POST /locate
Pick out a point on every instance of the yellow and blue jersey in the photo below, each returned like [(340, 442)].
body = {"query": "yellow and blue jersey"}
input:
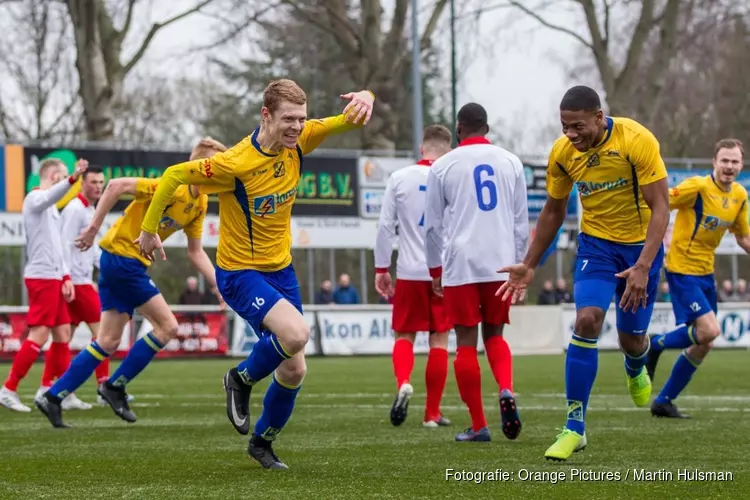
[(608, 177), (256, 191), (705, 212), (184, 212)]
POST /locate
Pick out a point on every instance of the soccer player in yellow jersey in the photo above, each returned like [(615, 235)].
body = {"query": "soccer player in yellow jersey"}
[(257, 184), (706, 208), (620, 175), (124, 286)]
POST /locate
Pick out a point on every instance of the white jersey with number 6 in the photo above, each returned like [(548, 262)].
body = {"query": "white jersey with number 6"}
[(477, 218), (403, 206)]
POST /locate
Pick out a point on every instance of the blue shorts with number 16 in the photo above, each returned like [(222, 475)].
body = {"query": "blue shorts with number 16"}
[(597, 262), (251, 294)]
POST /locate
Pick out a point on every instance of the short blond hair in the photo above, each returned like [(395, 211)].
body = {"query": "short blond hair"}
[(437, 134), (207, 147), (729, 143), (282, 90), (47, 165)]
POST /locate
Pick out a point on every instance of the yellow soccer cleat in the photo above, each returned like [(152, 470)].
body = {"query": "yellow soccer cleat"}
[(640, 388), (568, 442)]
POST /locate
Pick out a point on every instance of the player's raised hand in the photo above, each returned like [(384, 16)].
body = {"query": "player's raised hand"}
[(148, 243), (519, 277), (68, 291), (636, 283), (359, 109), (384, 285), (80, 168), (86, 239), (437, 286)]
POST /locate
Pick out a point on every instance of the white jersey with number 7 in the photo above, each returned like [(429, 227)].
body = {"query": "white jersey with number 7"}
[(477, 218)]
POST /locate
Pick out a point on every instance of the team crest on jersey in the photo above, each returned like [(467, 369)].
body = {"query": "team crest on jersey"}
[(188, 208), (613, 152), (593, 160), (167, 222), (289, 155), (725, 203), (279, 170), (264, 205)]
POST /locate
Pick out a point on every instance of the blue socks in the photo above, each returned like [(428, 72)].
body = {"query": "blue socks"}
[(680, 338), (278, 405), (81, 368), (265, 357), (634, 364), (682, 372), (139, 356), (581, 364)]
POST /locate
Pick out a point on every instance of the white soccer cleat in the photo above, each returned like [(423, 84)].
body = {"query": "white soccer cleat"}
[(11, 401), (401, 404), (40, 392), (71, 402), (434, 424)]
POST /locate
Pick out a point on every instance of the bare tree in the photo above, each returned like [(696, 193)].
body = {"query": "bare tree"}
[(656, 24), (38, 99), (372, 57), (99, 44)]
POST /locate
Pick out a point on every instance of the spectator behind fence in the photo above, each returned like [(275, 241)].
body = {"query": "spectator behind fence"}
[(664, 295), (325, 294), (547, 296), (741, 291), (345, 293), (726, 294), (191, 296), (562, 295)]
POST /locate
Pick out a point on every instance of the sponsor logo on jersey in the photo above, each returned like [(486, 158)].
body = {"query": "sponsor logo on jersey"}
[(591, 187)]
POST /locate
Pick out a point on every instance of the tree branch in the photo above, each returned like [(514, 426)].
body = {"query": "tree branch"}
[(599, 46), (155, 29), (128, 18), (395, 35), (350, 44), (538, 18), (429, 30), (337, 12), (238, 27), (637, 43)]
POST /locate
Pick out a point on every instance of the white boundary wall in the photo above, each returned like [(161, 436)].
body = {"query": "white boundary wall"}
[(366, 329)]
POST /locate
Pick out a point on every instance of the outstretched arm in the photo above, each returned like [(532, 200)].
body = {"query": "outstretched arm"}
[(356, 114)]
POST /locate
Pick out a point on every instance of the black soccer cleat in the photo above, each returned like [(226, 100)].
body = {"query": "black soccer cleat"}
[(651, 361), (51, 407), (238, 401), (117, 399), (510, 418), (666, 410), (261, 451), (400, 408)]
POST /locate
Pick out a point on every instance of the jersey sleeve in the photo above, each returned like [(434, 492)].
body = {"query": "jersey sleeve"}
[(433, 224), (741, 226), (194, 230), (559, 183), (316, 131), (685, 193), (386, 228), (40, 200), (217, 171), (644, 155)]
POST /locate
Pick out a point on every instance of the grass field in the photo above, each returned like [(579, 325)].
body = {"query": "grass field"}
[(340, 444)]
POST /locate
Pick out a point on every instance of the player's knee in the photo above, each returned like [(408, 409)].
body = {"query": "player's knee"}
[(706, 334), (295, 336), (588, 324), (108, 343), (439, 340), (62, 334), (166, 331)]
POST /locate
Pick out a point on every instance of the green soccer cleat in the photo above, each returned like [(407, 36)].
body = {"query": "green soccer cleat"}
[(568, 442), (640, 388)]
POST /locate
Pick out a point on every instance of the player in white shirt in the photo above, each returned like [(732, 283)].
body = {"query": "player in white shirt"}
[(476, 222), (46, 277), (416, 308), (86, 307)]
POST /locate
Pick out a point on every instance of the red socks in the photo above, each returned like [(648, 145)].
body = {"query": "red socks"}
[(469, 380), (501, 361), (435, 377), (403, 361), (56, 361), (22, 364)]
